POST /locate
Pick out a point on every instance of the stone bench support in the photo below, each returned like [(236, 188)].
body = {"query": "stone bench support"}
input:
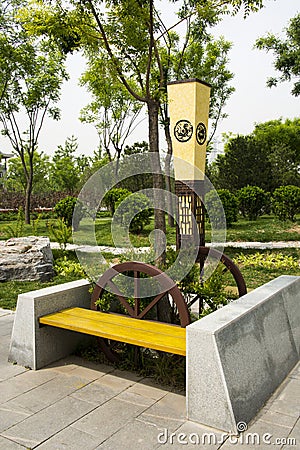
[(34, 346), (238, 355)]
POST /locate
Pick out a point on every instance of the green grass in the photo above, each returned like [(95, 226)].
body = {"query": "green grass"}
[(264, 229), (11, 289), (256, 276)]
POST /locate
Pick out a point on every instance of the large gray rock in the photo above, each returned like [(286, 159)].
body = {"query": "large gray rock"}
[(26, 259)]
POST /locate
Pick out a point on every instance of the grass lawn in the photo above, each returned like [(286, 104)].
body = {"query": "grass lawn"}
[(264, 229)]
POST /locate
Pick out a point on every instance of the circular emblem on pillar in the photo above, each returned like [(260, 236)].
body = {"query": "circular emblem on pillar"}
[(183, 130), (201, 133)]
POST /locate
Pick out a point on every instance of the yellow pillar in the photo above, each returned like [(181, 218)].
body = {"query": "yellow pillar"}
[(188, 110)]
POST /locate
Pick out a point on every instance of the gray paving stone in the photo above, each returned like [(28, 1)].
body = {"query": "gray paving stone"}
[(70, 439), (114, 382), (9, 418), (172, 405), (149, 389), (287, 402), (278, 418), (41, 426), (95, 393), (169, 412), (133, 436), (92, 373), (6, 444), (137, 399), (293, 438), (108, 419), (8, 370), (13, 387), (48, 393)]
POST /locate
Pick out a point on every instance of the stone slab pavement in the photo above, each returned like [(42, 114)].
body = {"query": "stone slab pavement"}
[(75, 404)]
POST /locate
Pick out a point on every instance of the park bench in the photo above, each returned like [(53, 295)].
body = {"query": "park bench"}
[(119, 327), (130, 328)]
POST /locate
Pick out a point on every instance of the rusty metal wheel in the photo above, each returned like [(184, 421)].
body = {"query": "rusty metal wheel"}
[(136, 305), (228, 266)]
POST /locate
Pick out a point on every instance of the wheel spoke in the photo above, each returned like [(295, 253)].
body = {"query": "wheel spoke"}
[(118, 293), (137, 293)]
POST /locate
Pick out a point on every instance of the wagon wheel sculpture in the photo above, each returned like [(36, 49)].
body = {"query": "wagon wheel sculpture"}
[(167, 287), (229, 266)]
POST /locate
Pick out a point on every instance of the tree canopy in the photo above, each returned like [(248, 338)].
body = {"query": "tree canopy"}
[(287, 54), (269, 157)]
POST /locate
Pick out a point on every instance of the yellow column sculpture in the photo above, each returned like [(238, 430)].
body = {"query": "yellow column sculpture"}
[(188, 110)]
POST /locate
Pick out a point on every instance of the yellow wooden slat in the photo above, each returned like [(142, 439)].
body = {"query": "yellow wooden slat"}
[(159, 336), (121, 319)]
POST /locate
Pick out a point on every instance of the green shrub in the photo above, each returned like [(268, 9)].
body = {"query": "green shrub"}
[(253, 201), (286, 202), (64, 209), (114, 196), (230, 206), (134, 210)]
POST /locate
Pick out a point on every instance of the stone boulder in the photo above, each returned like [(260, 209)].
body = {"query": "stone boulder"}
[(26, 259)]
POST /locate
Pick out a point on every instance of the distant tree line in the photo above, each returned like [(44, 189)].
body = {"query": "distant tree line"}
[(269, 157)]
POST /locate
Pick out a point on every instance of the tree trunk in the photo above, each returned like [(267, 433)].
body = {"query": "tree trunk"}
[(163, 306), (28, 199), (158, 184), (28, 191), (171, 221)]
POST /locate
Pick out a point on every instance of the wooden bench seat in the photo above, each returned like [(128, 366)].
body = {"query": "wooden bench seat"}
[(144, 333)]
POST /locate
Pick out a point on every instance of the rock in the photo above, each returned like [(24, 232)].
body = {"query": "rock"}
[(26, 259)]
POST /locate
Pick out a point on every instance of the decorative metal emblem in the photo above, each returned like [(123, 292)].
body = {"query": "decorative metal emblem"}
[(201, 133), (183, 130)]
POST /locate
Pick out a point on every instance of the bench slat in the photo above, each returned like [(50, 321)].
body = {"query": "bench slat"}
[(144, 333)]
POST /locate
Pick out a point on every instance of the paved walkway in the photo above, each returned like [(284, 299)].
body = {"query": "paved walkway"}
[(119, 250), (74, 404)]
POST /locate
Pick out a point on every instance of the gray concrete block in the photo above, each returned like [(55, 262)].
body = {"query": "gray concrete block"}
[(239, 355), (34, 346)]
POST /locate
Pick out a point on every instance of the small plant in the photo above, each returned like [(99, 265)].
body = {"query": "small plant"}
[(67, 267), (253, 201), (267, 261), (15, 231), (61, 232), (35, 224), (286, 202)]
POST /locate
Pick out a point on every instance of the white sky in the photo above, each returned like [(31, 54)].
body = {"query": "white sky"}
[(251, 103)]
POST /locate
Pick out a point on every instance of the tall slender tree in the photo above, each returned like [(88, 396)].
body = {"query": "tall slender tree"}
[(34, 72)]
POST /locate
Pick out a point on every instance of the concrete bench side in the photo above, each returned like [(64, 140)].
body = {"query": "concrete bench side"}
[(34, 346), (238, 355)]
